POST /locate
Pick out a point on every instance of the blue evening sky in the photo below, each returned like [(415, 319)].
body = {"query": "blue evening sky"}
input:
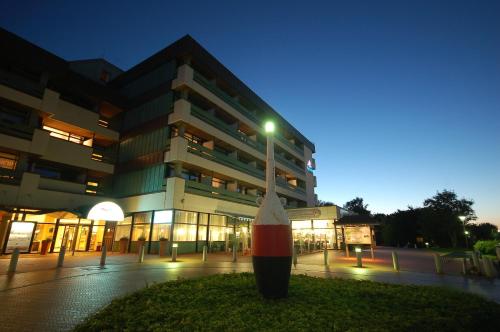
[(401, 98)]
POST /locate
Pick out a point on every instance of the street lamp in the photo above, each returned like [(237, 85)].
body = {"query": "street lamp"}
[(466, 233)]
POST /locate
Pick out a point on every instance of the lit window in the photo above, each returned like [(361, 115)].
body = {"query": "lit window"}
[(8, 161)]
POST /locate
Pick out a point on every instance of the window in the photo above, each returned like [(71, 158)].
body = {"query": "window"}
[(64, 135), (142, 225), (186, 217), (218, 183), (161, 225), (104, 76), (184, 232), (8, 161), (123, 228)]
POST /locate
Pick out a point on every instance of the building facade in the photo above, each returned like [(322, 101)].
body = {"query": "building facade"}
[(176, 141)]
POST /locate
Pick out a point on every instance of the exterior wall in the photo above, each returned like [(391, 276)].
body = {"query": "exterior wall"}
[(310, 179)]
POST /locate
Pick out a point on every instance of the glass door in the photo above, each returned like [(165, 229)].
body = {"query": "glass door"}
[(81, 240), (65, 234)]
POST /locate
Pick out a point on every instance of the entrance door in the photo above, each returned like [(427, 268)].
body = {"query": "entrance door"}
[(65, 235), (81, 240)]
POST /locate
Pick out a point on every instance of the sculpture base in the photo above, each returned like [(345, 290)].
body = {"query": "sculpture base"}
[(272, 275)]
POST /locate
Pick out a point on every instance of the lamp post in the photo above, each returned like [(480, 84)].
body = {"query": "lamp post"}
[(466, 233), (271, 235)]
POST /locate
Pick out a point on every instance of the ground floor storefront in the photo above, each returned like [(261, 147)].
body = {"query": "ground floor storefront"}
[(36, 231)]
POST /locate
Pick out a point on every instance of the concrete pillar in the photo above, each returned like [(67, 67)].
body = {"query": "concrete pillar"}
[(438, 263), (395, 261), (182, 129), (206, 179), (178, 169), (185, 94)]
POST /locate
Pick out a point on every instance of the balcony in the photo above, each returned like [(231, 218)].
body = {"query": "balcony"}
[(19, 130), (290, 144), (224, 96), (223, 159), (20, 83), (61, 186), (286, 162), (283, 183), (221, 125), (10, 176), (202, 189)]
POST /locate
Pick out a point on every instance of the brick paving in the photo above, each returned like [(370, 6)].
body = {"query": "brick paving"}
[(43, 298)]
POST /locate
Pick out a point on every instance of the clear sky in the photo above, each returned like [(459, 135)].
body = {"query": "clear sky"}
[(401, 98)]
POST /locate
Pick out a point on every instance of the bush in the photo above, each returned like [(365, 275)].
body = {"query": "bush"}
[(486, 247)]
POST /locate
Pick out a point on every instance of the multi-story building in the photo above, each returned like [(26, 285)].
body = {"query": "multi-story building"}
[(176, 141)]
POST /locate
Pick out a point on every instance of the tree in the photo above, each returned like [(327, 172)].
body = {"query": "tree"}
[(482, 231), (324, 203), (441, 219), (357, 205)]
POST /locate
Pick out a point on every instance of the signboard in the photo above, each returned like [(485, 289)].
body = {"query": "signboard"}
[(357, 235), (20, 236), (304, 213)]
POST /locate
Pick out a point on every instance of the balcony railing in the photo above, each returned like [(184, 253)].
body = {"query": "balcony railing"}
[(10, 176), (289, 163), (20, 130), (221, 125), (217, 193), (283, 183), (223, 159), (22, 84), (228, 99), (224, 96)]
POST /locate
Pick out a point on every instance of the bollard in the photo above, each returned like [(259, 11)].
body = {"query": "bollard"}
[(174, 252), (141, 254), (13, 261), (476, 263), (234, 253), (438, 263), (464, 266), (497, 249), (489, 269), (347, 250), (325, 256), (294, 257), (60, 259), (359, 259), (372, 252), (395, 261), (204, 257), (104, 251)]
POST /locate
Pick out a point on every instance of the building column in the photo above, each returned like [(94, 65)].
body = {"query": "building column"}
[(182, 129), (232, 186), (178, 169), (4, 226)]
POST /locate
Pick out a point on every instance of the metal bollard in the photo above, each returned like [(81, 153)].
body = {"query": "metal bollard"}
[(13, 261), (359, 258), (234, 253), (294, 257), (475, 260), (497, 249), (104, 251), (347, 251), (439, 264), (464, 266), (174, 253), (489, 269), (204, 257), (325, 256), (372, 252), (395, 261), (141, 254), (60, 259)]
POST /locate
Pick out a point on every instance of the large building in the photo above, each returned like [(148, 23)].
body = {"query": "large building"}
[(176, 141)]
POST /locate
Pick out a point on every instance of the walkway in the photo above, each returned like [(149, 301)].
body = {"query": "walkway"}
[(48, 299)]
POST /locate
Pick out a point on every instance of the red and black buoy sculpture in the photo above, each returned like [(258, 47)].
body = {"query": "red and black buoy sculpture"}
[(271, 235)]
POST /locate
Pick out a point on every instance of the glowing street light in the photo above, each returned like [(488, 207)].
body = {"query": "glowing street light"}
[(462, 219), (269, 127)]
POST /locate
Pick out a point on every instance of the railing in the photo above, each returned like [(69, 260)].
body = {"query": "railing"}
[(209, 191), (283, 183), (10, 176), (228, 99), (224, 96), (20, 130), (107, 155), (221, 125), (289, 163), (223, 159), (290, 144), (22, 84)]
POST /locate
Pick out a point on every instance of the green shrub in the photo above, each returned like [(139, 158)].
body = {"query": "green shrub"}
[(486, 247)]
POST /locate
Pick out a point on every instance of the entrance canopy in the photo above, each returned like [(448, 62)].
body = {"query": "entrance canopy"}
[(356, 220), (109, 211)]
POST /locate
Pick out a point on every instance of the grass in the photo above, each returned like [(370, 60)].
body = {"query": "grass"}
[(230, 302)]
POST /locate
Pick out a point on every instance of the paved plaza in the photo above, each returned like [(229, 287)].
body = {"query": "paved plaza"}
[(42, 297)]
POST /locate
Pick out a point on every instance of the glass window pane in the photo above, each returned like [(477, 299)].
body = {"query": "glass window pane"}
[(122, 231), (219, 233), (160, 231), (142, 218), (203, 218), (323, 223), (218, 220), (202, 233), (301, 224), (186, 217), (126, 221), (163, 217), (184, 232), (140, 231)]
